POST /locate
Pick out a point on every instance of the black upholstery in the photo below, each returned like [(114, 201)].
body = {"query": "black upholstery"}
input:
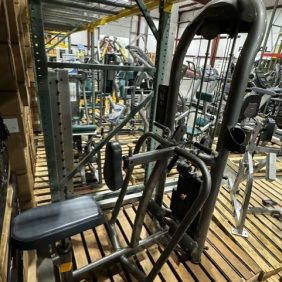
[(113, 166), (250, 106), (43, 225)]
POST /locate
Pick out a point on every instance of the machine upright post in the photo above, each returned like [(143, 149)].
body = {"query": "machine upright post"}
[(231, 114), (40, 59)]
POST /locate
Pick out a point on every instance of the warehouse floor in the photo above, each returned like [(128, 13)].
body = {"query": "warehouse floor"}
[(226, 258)]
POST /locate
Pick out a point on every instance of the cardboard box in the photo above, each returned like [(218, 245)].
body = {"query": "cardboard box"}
[(10, 103), (8, 79), (4, 22)]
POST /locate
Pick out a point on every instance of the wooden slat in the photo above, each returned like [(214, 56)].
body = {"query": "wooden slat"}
[(4, 239), (227, 257)]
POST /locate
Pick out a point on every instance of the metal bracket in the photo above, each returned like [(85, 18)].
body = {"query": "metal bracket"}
[(148, 18), (236, 232)]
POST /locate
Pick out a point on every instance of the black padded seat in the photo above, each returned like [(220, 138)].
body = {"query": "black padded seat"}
[(44, 225)]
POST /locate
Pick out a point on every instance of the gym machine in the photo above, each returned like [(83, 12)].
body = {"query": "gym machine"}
[(260, 130), (57, 221)]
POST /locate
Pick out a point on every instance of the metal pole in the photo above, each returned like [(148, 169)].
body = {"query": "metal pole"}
[(148, 18), (92, 35), (201, 88), (164, 55), (214, 49), (58, 34), (268, 30), (232, 111), (149, 70), (63, 38), (69, 44)]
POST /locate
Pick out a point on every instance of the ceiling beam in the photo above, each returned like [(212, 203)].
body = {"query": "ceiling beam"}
[(77, 5), (55, 26), (112, 3), (89, 16), (79, 18)]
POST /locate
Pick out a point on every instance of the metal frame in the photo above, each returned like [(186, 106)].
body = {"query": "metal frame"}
[(118, 14), (105, 140), (164, 55), (100, 67), (79, 5), (255, 27), (148, 18), (61, 119), (43, 94), (246, 171), (122, 254)]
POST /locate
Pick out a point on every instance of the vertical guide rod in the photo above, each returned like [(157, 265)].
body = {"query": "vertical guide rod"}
[(268, 31), (223, 87), (69, 44), (201, 87), (92, 36), (43, 94)]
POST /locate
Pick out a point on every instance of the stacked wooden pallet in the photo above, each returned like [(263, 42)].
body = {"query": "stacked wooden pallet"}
[(17, 82), (5, 234), (16, 85)]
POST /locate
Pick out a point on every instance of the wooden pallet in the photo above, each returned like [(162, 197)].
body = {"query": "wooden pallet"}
[(264, 243), (5, 234), (223, 260), (227, 257)]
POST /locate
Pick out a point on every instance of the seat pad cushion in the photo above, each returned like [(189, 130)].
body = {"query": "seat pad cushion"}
[(43, 225)]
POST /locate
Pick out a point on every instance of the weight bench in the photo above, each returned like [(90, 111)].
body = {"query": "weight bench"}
[(47, 224)]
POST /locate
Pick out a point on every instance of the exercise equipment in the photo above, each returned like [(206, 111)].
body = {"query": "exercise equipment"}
[(260, 131), (232, 17), (209, 28), (56, 222)]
